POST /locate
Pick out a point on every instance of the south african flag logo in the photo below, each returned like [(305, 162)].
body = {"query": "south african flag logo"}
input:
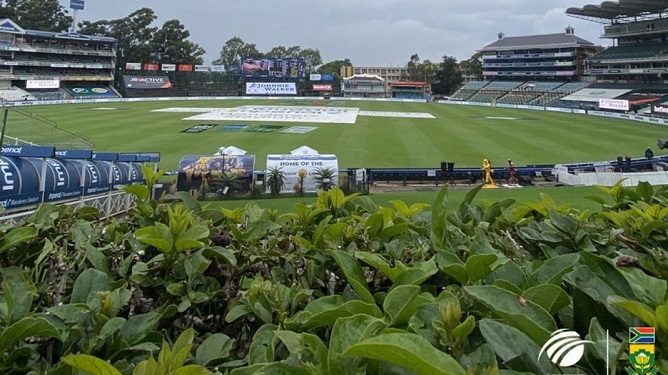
[(641, 351)]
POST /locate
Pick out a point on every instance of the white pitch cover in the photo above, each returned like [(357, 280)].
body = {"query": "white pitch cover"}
[(271, 88)]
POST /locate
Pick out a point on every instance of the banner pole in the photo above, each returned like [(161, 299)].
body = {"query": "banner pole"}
[(4, 124)]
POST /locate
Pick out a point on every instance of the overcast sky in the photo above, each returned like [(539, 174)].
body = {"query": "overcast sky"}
[(368, 32)]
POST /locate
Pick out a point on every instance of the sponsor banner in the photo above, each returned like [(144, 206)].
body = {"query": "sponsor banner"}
[(660, 110), (52, 196), (265, 128), (193, 169), (619, 105), (74, 154), (42, 84), (60, 65), (327, 77), (201, 68), (185, 68), (232, 128), (139, 82), (94, 66), (335, 115), (315, 77), (20, 200), (274, 68), (90, 91), (28, 151), (320, 87), (217, 68), (77, 4), (271, 88), (395, 114), (199, 128), (168, 67), (308, 165), (132, 66), (594, 95), (151, 67), (299, 129)]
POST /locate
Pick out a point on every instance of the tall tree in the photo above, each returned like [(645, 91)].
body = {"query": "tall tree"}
[(134, 34), (413, 68), (312, 59), (170, 44), (472, 67), (234, 50), (449, 76), (334, 67), (43, 15)]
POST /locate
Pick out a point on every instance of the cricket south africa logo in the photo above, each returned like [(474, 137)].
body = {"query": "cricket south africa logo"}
[(641, 351), (564, 348)]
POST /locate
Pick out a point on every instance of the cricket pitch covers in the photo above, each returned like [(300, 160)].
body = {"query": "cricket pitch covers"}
[(310, 114)]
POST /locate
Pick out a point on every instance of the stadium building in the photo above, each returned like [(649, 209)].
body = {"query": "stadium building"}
[(558, 57), (631, 72), (45, 65)]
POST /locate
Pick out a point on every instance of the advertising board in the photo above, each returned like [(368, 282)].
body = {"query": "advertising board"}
[(292, 165), (42, 84), (271, 88), (132, 66), (195, 169), (660, 110), (272, 68), (322, 87), (619, 105), (140, 82)]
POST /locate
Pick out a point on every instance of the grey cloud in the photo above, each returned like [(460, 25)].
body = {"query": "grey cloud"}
[(369, 32)]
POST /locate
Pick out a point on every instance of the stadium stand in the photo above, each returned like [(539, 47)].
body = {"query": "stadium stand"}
[(632, 51), (42, 63), (15, 94)]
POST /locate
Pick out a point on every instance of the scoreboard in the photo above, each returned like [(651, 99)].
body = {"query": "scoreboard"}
[(272, 68)]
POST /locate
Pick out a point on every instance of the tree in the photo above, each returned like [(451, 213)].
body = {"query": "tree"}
[(170, 44), (312, 59), (275, 179), (473, 66), (235, 49), (413, 68), (449, 76), (43, 15), (334, 67), (133, 33)]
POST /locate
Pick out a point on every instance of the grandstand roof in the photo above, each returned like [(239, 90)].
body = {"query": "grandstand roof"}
[(409, 83), (9, 26), (363, 77), (609, 10), (540, 41)]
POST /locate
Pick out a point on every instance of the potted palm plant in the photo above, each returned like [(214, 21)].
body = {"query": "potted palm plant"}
[(324, 178), (275, 180)]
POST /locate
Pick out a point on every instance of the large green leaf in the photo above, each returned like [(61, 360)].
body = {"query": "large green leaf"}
[(24, 328), (438, 217), (326, 310), (402, 302), (510, 344), (378, 262), (215, 348), (346, 333), (89, 281), (526, 316), (647, 289), (548, 296), (192, 238), (603, 344), (553, 270), (18, 292), (407, 350), (138, 326), (158, 236), (308, 348), (276, 368), (637, 308), (353, 273), (662, 317), (90, 365), (417, 275), (262, 347), (191, 370), (607, 272), (16, 237), (479, 266)]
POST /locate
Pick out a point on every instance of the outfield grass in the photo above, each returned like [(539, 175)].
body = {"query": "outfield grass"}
[(572, 196), (461, 134)]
